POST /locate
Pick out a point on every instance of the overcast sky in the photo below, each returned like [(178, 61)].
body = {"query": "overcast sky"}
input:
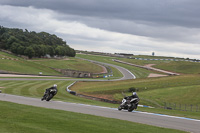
[(166, 27)]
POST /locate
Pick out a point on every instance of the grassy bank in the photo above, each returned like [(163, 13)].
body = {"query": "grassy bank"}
[(70, 63), (179, 89), (16, 64), (183, 67), (16, 118)]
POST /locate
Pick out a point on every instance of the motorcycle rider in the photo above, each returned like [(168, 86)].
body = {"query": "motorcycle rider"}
[(48, 91), (134, 95)]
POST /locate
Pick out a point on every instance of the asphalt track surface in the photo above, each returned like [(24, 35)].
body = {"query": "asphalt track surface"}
[(180, 123), (126, 73)]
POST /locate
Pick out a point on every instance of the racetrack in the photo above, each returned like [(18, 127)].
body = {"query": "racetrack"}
[(126, 75), (180, 123)]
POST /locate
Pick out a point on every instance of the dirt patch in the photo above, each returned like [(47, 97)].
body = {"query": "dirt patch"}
[(104, 70), (103, 99), (151, 75), (109, 97), (149, 65), (66, 59)]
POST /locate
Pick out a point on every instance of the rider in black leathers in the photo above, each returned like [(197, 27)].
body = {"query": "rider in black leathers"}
[(134, 95), (48, 91)]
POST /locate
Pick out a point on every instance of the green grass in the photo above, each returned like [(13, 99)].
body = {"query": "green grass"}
[(16, 118), (16, 64), (181, 95), (141, 62), (181, 67), (6, 55), (138, 72), (12, 63), (25, 67), (70, 63), (159, 90), (155, 57), (174, 66)]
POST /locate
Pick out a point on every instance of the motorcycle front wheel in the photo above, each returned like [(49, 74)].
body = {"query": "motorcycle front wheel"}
[(119, 108)]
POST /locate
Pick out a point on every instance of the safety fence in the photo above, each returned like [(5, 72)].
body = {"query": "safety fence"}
[(182, 107), (188, 60)]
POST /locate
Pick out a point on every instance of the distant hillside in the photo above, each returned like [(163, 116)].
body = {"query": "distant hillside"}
[(32, 44)]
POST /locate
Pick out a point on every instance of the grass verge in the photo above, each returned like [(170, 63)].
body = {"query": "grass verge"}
[(18, 118)]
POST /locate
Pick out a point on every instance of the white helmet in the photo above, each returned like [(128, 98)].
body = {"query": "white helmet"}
[(55, 85), (134, 93)]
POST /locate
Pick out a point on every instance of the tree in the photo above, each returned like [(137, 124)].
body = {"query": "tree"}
[(20, 50), (43, 50), (58, 50), (14, 47), (18, 40), (50, 51), (11, 40), (29, 52), (36, 48)]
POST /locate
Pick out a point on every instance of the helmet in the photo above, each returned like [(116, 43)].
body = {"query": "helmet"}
[(55, 85), (134, 93)]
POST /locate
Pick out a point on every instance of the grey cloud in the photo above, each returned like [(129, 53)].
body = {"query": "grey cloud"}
[(161, 20), (152, 18), (170, 12), (157, 31)]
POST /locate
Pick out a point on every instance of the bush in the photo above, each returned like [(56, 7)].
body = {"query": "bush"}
[(133, 89)]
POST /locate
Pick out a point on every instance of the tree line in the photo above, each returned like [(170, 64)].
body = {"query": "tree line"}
[(32, 44)]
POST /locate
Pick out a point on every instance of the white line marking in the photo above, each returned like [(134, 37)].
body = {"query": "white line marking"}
[(163, 115)]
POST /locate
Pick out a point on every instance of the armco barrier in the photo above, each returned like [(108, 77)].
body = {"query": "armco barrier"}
[(68, 90), (145, 106)]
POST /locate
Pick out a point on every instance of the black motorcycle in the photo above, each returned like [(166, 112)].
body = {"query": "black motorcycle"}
[(49, 94), (129, 104)]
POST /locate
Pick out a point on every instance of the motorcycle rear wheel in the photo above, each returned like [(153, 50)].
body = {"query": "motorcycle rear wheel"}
[(131, 108), (49, 97)]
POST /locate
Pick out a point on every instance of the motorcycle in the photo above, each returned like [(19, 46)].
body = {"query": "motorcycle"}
[(129, 104), (48, 95)]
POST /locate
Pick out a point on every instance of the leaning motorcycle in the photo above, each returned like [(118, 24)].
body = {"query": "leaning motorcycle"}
[(129, 104), (48, 95)]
